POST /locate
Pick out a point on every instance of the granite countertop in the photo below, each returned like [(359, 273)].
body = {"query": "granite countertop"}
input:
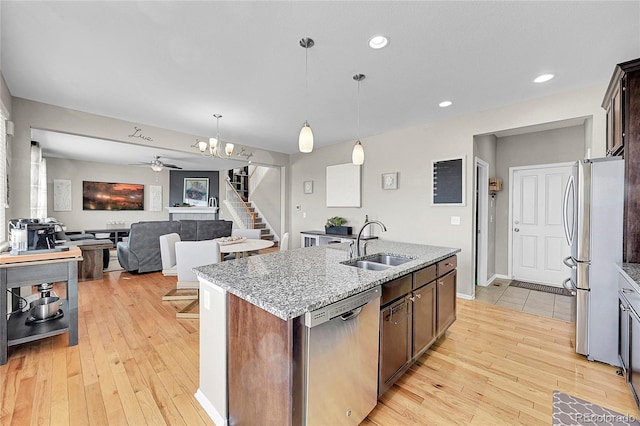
[(289, 283), (633, 271)]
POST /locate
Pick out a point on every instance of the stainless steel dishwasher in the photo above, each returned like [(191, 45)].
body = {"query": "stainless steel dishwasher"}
[(341, 357)]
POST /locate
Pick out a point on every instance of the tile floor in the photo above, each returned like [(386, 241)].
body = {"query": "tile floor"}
[(521, 299)]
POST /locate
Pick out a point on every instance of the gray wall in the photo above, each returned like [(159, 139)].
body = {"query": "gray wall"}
[(266, 194), (5, 96), (30, 114), (176, 184), (547, 147), (407, 211), (485, 149)]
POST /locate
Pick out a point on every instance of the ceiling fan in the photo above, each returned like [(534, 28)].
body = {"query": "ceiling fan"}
[(157, 165)]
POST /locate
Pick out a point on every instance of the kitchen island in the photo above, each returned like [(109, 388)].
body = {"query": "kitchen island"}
[(252, 323)]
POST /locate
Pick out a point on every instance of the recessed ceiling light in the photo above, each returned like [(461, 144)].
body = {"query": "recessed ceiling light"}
[(542, 78), (445, 104), (378, 42)]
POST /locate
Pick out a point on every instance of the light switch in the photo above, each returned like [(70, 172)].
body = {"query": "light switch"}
[(455, 220)]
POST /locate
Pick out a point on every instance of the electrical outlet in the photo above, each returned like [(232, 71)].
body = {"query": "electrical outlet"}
[(455, 220), (304, 215)]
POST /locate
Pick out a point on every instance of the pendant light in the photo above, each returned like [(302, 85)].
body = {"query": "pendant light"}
[(213, 142), (305, 140), (357, 156)]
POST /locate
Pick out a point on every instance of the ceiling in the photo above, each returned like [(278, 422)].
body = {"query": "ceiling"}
[(173, 64)]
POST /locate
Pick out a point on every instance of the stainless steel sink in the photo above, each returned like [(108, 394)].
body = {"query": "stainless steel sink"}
[(388, 259), (378, 261), (364, 264)]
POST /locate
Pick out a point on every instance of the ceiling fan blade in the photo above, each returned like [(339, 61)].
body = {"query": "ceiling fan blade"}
[(171, 166)]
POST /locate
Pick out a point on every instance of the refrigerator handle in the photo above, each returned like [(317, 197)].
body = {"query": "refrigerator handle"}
[(572, 289), (565, 211), (571, 265)]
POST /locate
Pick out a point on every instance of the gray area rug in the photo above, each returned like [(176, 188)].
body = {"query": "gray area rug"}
[(569, 410), (540, 287)]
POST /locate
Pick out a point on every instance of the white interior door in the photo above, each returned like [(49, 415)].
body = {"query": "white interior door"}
[(538, 241)]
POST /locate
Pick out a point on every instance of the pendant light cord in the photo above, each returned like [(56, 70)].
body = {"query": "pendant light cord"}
[(358, 121), (306, 79)]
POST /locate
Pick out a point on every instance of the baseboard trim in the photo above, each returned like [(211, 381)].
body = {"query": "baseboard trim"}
[(210, 409), (465, 296), (504, 277)]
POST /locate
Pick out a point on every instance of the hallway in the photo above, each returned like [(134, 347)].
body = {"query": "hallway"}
[(534, 302)]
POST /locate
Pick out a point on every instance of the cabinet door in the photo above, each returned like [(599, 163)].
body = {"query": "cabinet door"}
[(623, 335), (308, 240), (446, 300), (424, 317), (615, 129), (395, 341), (633, 373)]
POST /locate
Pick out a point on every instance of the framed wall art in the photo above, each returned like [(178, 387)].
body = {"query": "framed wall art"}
[(308, 187), (390, 180), (448, 182), (343, 185), (196, 191)]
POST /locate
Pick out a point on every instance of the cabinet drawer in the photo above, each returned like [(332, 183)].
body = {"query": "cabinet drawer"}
[(424, 276), (396, 288), (449, 264)]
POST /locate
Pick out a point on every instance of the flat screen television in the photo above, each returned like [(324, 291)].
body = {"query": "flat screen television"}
[(112, 196)]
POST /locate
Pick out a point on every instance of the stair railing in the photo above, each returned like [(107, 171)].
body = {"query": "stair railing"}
[(241, 207)]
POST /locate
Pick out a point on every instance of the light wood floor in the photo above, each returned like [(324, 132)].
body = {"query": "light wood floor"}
[(137, 364)]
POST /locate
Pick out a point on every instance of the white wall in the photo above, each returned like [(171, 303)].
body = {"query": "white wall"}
[(407, 211), (30, 114), (77, 171)]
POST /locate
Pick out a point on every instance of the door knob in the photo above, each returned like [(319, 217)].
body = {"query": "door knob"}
[(516, 229)]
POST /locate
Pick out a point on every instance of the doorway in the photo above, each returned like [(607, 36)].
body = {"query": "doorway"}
[(536, 237), (481, 214)]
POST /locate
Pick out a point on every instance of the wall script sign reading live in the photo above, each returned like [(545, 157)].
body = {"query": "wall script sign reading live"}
[(137, 133)]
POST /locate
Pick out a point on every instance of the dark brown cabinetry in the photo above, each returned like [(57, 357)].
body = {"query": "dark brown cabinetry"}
[(446, 296), (424, 317), (395, 332), (415, 311), (622, 103)]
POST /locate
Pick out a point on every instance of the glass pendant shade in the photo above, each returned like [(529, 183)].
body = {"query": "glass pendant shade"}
[(202, 146), (357, 156), (213, 146), (305, 141), (156, 167), (228, 149)]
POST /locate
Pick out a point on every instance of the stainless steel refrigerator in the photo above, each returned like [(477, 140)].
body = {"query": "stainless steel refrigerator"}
[(592, 215)]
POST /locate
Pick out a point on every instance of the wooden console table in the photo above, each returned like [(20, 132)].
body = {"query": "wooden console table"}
[(33, 269), (115, 234), (92, 264)]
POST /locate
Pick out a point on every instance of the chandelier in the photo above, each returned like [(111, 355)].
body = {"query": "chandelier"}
[(214, 147)]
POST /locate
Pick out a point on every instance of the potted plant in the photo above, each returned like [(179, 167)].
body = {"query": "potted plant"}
[(335, 224)]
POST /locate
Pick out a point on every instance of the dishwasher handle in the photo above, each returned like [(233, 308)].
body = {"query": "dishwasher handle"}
[(351, 314)]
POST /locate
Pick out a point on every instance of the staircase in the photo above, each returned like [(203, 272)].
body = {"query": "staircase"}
[(244, 214), (265, 233)]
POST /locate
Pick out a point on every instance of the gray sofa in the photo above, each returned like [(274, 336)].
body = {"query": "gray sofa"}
[(141, 253)]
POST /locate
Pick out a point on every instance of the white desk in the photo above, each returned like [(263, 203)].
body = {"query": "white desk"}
[(245, 246)]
